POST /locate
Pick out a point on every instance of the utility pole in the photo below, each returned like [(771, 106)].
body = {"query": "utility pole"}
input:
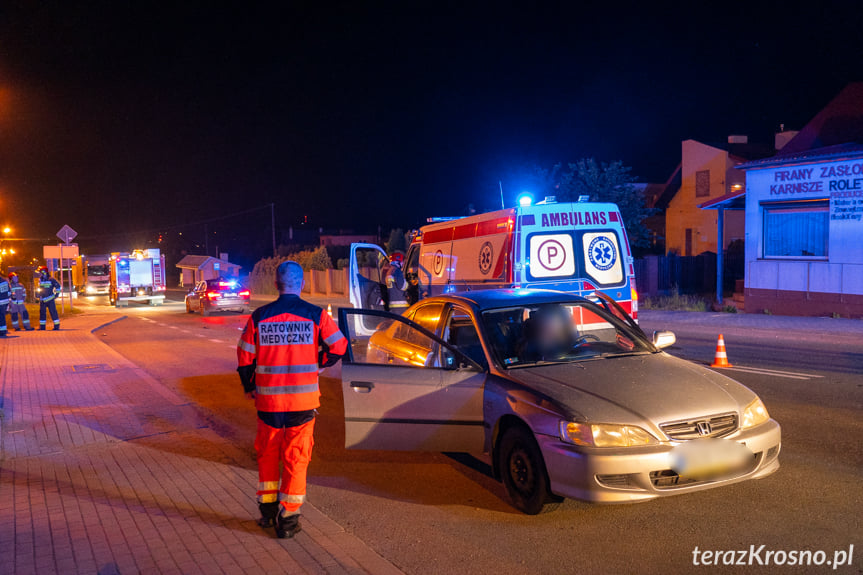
[(273, 225), (206, 240)]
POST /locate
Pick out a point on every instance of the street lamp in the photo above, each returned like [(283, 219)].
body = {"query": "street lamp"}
[(7, 230)]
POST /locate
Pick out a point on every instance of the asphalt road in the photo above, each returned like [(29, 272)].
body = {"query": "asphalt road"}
[(434, 513)]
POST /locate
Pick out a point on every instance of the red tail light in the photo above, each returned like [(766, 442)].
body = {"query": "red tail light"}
[(245, 293), (213, 295)]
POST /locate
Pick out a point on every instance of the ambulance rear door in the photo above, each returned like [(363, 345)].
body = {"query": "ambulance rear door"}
[(574, 247)]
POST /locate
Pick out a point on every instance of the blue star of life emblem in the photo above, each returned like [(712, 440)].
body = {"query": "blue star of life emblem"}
[(602, 253)]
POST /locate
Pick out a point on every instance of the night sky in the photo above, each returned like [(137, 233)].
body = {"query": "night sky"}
[(125, 119)]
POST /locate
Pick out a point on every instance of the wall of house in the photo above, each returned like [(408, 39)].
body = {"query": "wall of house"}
[(803, 280), (683, 212)]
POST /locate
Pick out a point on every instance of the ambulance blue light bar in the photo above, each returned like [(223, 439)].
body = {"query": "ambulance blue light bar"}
[(525, 200)]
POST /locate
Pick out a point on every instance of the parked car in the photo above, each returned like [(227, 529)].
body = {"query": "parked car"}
[(218, 295), (563, 396)]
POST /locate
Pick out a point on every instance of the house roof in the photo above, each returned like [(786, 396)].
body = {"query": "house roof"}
[(672, 185), (731, 201), (839, 122), (838, 152), (197, 262)]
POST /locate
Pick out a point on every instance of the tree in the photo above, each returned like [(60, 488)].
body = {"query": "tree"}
[(398, 240), (601, 182)]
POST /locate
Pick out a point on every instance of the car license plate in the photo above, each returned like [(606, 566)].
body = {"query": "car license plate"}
[(709, 458), (230, 295)]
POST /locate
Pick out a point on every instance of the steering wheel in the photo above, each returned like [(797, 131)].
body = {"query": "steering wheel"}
[(582, 339)]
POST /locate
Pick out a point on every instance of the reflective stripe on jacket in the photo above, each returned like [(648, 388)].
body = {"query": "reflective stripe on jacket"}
[(19, 293), (5, 292), (282, 340), (47, 289)]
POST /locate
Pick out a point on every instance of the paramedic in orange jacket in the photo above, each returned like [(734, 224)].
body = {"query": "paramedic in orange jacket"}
[(279, 358)]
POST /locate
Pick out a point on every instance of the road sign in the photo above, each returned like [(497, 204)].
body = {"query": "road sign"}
[(53, 252), (66, 234)]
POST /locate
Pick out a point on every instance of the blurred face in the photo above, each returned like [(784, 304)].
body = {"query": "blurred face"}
[(554, 332)]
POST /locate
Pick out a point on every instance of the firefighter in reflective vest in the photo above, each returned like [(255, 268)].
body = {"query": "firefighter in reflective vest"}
[(396, 284), (19, 297), (5, 298), (282, 347), (47, 295)]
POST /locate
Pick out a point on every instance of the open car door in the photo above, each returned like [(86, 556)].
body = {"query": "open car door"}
[(404, 389), (367, 287)]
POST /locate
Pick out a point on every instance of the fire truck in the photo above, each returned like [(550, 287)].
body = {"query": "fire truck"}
[(92, 275), (577, 247), (137, 276)]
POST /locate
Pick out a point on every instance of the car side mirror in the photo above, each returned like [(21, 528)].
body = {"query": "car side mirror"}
[(663, 339)]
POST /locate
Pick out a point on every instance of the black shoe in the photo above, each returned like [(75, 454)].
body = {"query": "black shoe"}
[(41, 328), (2, 334), (28, 328), (55, 328), (287, 527), (17, 329), (268, 514)]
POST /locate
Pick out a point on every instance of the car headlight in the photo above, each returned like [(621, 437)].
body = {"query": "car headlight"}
[(754, 414), (604, 434)]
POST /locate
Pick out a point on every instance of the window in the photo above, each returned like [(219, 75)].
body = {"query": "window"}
[(461, 334), (428, 316), (702, 184), (796, 229)]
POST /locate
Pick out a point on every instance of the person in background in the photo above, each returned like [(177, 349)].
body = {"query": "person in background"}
[(5, 298), (396, 284), (47, 295), (17, 307), (280, 352)]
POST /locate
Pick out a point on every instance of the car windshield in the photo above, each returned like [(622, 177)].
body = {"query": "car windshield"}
[(98, 270), (559, 333)]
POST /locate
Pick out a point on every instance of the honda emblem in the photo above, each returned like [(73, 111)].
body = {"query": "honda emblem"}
[(703, 428)]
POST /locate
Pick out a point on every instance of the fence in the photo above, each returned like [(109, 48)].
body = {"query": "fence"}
[(658, 275)]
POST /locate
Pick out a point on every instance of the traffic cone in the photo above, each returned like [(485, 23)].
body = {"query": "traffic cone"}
[(721, 359), (330, 310)]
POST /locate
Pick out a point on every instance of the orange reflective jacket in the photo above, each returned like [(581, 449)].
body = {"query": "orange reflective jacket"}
[(282, 340)]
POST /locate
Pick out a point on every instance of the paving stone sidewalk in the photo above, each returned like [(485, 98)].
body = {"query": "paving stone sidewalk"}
[(104, 470)]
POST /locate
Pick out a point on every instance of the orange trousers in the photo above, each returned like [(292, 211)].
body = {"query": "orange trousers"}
[(290, 447)]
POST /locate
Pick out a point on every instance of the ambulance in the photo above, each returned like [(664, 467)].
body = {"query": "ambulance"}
[(576, 247)]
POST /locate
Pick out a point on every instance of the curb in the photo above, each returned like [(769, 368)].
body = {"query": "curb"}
[(104, 325)]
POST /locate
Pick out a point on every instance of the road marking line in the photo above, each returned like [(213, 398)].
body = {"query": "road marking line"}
[(173, 327), (775, 373), (217, 341), (185, 331), (765, 370), (232, 347)]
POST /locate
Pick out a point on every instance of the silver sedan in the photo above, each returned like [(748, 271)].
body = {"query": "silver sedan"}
[(563, 396)]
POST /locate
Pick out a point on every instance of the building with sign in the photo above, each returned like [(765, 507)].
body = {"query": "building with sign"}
[(804, 217)]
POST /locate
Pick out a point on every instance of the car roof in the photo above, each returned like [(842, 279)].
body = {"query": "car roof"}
[(497, 298)]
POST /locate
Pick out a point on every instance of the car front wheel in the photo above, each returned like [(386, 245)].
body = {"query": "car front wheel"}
[(523, 471)]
